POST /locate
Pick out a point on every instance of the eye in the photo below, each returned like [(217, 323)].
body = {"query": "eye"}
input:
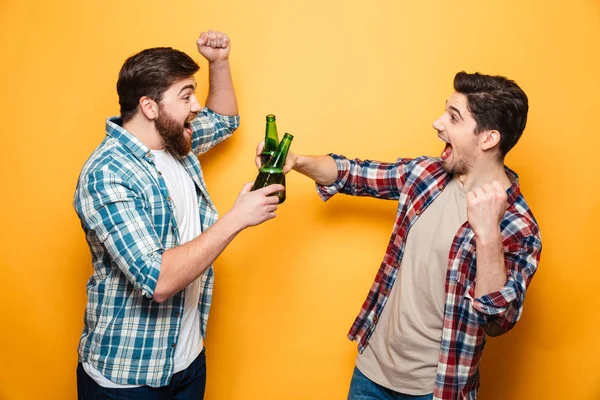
[(453, 118), (186, 98)]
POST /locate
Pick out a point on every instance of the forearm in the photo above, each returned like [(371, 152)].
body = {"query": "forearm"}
[(321, 169), (181, 265), (491, 269), (221, 95)]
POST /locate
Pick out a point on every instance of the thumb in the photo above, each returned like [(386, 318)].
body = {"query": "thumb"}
[(289, 163), (260, 147), (247, 188)]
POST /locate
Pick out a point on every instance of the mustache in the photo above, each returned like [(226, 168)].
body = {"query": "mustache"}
[(191, 117)]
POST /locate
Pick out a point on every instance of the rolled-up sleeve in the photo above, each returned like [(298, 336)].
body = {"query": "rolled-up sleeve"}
[(505, 306), (366, 178), (114, 214), (210, 129)]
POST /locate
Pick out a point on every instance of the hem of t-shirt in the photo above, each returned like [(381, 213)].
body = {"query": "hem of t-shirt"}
[(191, 357), (87, 367), (388, 386)]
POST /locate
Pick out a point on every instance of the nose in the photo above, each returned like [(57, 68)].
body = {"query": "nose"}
[(195, 105), (438, 125)]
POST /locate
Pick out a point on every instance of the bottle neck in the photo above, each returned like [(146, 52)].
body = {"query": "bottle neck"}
[(278, 159), (271, 137)]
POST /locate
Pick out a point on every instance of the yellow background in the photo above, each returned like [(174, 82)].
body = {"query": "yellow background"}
[(365, 79)]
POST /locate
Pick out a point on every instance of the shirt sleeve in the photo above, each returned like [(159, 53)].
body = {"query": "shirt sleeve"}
[(366, 178), (113, 213), (504, 307), (210, 129)]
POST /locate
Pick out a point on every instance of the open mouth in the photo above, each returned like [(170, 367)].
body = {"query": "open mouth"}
[(187, 128), (447, 150)]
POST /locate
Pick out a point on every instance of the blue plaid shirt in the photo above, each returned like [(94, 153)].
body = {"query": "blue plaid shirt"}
[(127, 215)]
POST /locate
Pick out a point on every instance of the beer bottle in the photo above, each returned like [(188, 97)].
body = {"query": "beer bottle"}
[(271, 140), (272, 172)]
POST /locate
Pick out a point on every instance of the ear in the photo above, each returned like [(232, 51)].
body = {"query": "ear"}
[(489, 140), (148, 107)]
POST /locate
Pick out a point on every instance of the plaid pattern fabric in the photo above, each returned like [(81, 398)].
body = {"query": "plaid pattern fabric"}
[(415, 183), (127, 215)]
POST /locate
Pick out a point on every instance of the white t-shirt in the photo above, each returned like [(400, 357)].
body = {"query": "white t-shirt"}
[(182, 190)]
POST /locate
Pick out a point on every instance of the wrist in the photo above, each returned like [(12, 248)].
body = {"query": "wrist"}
[(232, 221), (219, 64), (489, 238)]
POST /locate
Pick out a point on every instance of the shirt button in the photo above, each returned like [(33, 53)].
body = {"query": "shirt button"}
[(418, 212), (160, 172), (396, 264), (177, 314), (440, 186), (174, 345), (169, 198)]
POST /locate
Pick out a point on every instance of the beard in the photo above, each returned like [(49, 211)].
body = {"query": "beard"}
[(172, 133), (461, 167)]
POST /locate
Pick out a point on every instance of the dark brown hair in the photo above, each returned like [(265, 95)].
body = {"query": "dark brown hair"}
[(150, 73), (496, 103)]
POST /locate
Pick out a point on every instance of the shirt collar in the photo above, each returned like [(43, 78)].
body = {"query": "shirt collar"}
[(115, 130), (514, 191)]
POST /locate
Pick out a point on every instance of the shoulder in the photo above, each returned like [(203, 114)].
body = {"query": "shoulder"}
[(520, 224), (113, 161)]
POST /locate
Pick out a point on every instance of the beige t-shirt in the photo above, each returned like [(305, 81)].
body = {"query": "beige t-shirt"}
[(402, 354)]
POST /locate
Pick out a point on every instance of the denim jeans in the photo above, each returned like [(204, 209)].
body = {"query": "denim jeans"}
[(188, 384), (362, 388)]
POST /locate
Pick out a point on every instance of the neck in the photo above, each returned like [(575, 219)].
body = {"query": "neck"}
[(145, 131), (485, 172)]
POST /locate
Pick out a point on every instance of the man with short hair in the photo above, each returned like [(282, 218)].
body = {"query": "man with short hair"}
[(152, 228), (463, 250)]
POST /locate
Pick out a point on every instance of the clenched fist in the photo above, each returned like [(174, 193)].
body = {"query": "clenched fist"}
[(214, 45), (486, 206)]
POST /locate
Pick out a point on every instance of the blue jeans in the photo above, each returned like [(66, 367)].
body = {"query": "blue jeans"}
[(362, 388), (188, 384)]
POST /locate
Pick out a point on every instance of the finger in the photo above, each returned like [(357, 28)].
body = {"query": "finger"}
[(478, 192), (260, 147), (202, 39), (471, 198), (289, 164), (271, 200), (212, 39), (488, 189), (246, 188), (272, 208), (272, 189), (258, 158), (498, 188), (226, 42), (221, 40)]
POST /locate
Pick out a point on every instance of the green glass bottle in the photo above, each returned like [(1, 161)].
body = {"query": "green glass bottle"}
[(271, 140), (272, 172)]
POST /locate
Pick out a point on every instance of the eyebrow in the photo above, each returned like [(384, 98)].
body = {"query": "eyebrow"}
[(189, 86), (455, 110)]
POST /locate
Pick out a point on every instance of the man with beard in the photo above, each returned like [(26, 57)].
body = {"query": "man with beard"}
[(463, 249), (152, 228)]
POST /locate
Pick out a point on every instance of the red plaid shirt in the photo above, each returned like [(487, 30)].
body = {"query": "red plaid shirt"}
[(416, 183)]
